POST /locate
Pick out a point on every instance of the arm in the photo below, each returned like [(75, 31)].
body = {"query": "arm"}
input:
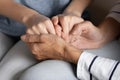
[(90, 66), (77, 7), (16, 11), (52, 47), (110, 27), (69, 18), (86, 34), (108, 30), (32, 19), (47, 46)]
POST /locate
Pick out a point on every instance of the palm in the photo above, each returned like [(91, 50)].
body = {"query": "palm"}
[(86, 37), (82, 42)]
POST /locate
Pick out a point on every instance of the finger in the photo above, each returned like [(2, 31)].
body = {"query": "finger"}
[(76, 30), (65, 37), (65, 26), (42, 29), (56, 26), (50, 27), (32, 47), (55, 20), (35, 38), (29, 31), (38, 50), (35, 48), (30, 38), (35, 30), (77, 21), (80, 28), (58, 30)]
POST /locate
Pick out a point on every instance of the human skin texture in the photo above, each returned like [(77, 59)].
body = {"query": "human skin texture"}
[(88, 36), (47, 46)]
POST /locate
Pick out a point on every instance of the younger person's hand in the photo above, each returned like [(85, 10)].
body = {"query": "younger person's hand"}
[(64, 23), (38, 24)]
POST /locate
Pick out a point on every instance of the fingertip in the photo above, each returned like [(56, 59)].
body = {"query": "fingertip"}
[(55, 20), (23, 37), (29, 31)]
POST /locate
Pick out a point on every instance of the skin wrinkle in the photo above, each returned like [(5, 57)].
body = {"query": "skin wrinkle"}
[(52, 49), (69, 17), (44, 50)]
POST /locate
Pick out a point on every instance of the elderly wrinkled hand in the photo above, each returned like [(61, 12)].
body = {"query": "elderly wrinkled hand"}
[(47, 46), (86, 36)]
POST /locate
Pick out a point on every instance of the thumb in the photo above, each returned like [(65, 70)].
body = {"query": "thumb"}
[(79, 28)]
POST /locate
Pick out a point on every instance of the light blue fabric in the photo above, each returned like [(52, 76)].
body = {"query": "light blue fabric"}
[(11, 27), (45, 7), (50, 70)]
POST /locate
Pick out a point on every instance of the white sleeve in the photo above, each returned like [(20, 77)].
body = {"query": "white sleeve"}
[(115, 11), (91, 66)]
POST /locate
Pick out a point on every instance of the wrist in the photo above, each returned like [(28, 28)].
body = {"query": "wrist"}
[(69, 12), (77, 7), (73, 54), (102, 38), (27, 19), (109, 29)]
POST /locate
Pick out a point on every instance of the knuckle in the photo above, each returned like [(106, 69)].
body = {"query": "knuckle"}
[(29, 31), (47, 21), (41, 37), (65, 18), (39, 25), (34, 27)]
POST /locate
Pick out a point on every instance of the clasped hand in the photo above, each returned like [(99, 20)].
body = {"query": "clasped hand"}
[(44, 39)]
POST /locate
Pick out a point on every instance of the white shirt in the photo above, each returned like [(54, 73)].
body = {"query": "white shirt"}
[(92, 67)]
